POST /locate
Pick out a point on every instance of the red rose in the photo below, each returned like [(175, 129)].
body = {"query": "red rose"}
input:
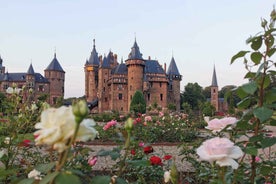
[(133, 152), (167, 157), (148, 149), (155, 160), (25, 143)]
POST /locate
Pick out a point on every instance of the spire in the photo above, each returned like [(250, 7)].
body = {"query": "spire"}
[(94, 59), (214, 78), (31, 70), (1, 61), (135, 52), (173, 70)]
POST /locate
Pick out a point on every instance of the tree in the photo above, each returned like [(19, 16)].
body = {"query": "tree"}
[(208, 109), (138, 103), (193, 95), (207, 92)]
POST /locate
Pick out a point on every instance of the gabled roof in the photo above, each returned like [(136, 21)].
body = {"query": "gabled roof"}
[(152, 66), (54, 65), (173, 70), (94, 59), (17, 77), (214, 79), (31, 70), (135, 52)]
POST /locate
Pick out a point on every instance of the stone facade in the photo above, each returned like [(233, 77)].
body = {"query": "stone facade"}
[(51, 84), (113, 84)]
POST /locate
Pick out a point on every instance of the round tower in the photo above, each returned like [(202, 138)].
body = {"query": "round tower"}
[(135, 65), (56, 77)]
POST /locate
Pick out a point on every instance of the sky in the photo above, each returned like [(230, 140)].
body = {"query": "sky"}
[(199, 34)]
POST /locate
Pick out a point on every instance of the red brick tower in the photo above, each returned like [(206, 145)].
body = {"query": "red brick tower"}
[(91, 75), (214, 91), (56, 76), (135, 65)]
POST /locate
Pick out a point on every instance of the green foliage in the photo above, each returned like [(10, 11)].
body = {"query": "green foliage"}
[(208, 109), (138, 103), (193, 95)]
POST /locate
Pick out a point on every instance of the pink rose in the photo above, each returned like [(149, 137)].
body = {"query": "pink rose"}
[(148, 118), (110, 124), (216, 125), (220, 150), (92, 161), (141, 144)]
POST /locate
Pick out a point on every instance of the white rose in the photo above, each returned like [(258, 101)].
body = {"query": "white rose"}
[(216, 125), (167, 176), (35, 174), (56, 127), (220, 150), (86, 131)]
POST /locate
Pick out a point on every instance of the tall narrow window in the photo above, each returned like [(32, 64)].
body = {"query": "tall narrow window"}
[(120, 96), (161, 97), (148, 97)]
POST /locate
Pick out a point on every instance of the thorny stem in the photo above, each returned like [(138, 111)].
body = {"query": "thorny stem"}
[(122, 165)]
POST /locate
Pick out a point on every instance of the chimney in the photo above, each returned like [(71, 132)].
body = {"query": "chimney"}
[(165, 67)]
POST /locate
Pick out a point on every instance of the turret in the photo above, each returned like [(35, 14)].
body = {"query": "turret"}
[(174, 79), (135, 65)]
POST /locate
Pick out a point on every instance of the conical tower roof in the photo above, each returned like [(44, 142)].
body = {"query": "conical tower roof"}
[(214, 79), (31, 70), (173, 70), (135, 52), (94, 59), (54, 65)]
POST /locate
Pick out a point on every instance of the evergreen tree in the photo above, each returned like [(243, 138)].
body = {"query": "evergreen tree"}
[(138, 103)]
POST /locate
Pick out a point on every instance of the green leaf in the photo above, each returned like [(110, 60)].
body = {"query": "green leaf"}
[(27, 181), (48, 178), (250, 75), (256, 57), (255, 138), (251, 151), (268, 142), (265, 170), (138, 162), (271, 52), (44, 168), (101, 180), (263, 113), (66, 177), (241, 93), (121, 181), (256, 43), (238, 55), (250, 87), (272, 122), (244, 103)]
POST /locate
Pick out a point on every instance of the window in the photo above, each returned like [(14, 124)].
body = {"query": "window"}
[(105, 99), (5, 86), (40, 88), (120, 87), (160, 84), (130, 97), (161, 97), (120, 96), (130, 87), (148, 97)]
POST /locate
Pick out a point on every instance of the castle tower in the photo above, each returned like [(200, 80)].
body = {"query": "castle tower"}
[(30, 77), (214, 91), (135, 65), (91, 75), (174, 84), (2, 68), (56, 77)]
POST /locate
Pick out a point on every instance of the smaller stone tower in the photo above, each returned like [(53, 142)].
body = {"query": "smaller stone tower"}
[(135, 65), (174, 84), (214, 91), (56, 76)]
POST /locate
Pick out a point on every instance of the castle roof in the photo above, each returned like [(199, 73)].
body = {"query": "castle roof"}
[(21, 77), (31, 70), (106, 62), (135, 52), (214, 79), (152, 66), (94, 59), (120, 69), (173, 70), (54, 65)]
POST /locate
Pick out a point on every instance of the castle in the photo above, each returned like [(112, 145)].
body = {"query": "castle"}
[(51, 84), (111, 85)]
